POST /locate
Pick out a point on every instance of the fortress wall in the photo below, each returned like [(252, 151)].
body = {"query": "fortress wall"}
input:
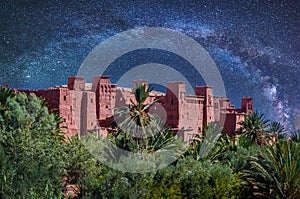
[(58, 100), (84, 111), (76, 108), (208, 110), (173, 101), (91, 122), (230, 123), (217, 109), (247, 105), (86, 115), (224, 103), (220, 109), (51, 96), (90, 110), (123, 96), (192, 116), (65, 110), (239, 117)]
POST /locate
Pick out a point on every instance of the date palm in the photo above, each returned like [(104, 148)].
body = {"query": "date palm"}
[(138, 110), (142, 136), (295, 136), (276, 129), (138, 128), (136, 117), (207, 144), (275, 171), (254, 128)]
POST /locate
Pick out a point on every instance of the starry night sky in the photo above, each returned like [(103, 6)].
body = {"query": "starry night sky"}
[(255, 44)]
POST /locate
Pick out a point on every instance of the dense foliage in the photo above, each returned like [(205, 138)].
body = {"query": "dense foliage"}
[(31, 145), (37, 161)]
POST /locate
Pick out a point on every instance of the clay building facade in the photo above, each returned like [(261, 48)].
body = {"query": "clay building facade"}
[(87, 107)]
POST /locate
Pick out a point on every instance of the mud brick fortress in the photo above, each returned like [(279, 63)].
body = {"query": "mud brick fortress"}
[(87, 107)]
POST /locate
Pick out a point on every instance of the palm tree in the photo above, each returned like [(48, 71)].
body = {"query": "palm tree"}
[(160, 140), (275, 171), (275, 130), (206, 145), (295, 136), (254, 128), (138, 128), (212, 134), (142, 136), (139, 111), (292, 137), (136, 118), (276, 127)]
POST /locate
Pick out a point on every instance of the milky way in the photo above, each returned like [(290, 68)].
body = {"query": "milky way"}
[(255, 45)]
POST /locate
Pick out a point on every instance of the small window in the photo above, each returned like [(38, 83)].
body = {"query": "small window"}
[(172, 102), (65, 98), (91, 100), (216, 105)]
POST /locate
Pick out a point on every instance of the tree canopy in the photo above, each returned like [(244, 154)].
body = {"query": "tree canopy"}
[(36, 161)]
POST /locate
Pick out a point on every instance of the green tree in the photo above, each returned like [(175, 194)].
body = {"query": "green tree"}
[(137, 129), (136, 118), (24, 111), (276, 128), (254, 128), (204, 146), (32, 148), (294, 136), (5, 94), (275, 171), (83, 169)]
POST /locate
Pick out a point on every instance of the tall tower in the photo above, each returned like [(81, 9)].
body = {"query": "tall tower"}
[(76, 83), (174, 102), (208, 108), (247, 105), (78, 108), (102, 87)]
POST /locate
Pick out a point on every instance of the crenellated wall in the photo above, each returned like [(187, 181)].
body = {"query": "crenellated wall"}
[(89, 107)]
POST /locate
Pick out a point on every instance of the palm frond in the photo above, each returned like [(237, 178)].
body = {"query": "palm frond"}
[(275, 171), (255, 128), (212, 134)]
